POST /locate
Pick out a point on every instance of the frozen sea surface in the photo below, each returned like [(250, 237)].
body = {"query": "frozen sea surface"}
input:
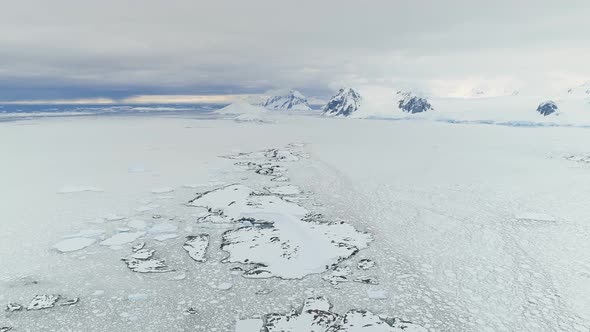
[(447, 227)]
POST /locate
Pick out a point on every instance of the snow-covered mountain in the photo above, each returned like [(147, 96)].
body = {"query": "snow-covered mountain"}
[(344, 103), (243, 112), (410, 103), (580, 91), (547, 108), (287, 100)]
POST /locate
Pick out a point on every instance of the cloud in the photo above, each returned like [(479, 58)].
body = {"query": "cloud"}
[(121, 48)]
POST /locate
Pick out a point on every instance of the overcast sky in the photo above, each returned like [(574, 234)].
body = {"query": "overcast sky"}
[(62, 49)]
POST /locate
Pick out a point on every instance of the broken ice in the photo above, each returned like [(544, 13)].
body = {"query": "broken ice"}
[(43, 302), (196, 247)]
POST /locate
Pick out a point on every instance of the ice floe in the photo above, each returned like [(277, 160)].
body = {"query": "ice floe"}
[(276, 238), (12, 307), (73, 244), (122, 238), (365, 264), (370, 280), (196, 247), (137, 297), (579, 159), (337, 274), (284, 190), (280, 155), (316, 316), (165, 190), (163, 228), (43, 302), (137, 224), (86, 233), (225, 286), (113, 217), (377, 294), (143, 261), (70, 302), (165, 236), (535, 216)]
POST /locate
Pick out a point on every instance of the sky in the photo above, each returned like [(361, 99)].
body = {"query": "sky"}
[(148, 51)]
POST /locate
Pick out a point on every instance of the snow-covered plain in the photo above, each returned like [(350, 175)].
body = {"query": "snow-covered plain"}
[(473, 227)]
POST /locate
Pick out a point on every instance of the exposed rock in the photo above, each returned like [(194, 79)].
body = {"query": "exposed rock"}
[(344, 103), (412, 104), (547, 108)]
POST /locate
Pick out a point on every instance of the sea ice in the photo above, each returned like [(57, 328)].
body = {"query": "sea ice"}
[(280, 155), (73, 244), (137, 224), (122, 238), (143, 261), (249, 325), (276, 238), (535, 216), (165, 236), (377, 294), (225, 286), (43, 302), (337, 274), (113, 217), (87, 233), (78, 189), (284, 190), (365, 264), (70, 302), (367, 280), (163, 228), (316, 316), (12, 307), (196, 246), (164, 190)]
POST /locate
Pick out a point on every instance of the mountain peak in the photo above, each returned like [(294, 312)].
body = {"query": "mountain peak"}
[(287, 100), (547, 108), (410, 103), (344, 103)]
